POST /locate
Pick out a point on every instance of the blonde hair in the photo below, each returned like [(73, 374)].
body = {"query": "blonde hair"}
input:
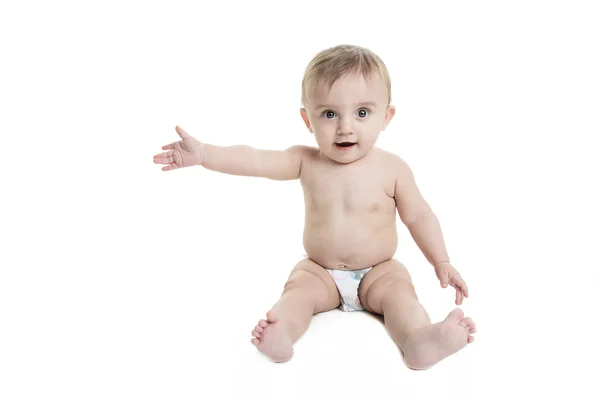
[(331, 64)]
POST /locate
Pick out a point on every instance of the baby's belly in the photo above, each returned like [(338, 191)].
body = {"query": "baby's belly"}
[(350, 243)]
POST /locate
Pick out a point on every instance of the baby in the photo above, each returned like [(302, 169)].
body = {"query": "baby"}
[(352, 190)]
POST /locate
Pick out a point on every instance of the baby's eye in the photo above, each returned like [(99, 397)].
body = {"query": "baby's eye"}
[(363, 112), (329, 114)]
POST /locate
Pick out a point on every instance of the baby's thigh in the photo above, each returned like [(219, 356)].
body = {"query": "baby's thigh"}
[(388, 277), (314, 279)]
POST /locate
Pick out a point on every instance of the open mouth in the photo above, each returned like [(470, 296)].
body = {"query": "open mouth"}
[(345, 145)]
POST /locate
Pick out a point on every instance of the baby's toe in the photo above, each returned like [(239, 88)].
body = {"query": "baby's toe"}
[(469, 324), (472, 327), (255, 334), (262, 323), (254, 342), (272, 316), (470, 339), (258, 329)]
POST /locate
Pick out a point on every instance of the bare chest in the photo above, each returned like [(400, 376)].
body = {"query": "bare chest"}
[(362, 189)]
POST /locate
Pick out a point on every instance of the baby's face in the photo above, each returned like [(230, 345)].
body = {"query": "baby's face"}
[(347, 119)]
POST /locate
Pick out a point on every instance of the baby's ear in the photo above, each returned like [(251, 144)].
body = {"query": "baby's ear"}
[(304, 116), (389, 114)]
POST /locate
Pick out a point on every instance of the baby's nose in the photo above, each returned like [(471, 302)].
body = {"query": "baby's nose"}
[(345, 126)]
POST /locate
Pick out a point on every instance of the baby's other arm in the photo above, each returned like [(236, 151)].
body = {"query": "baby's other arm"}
[(425, 229), (418, 217)]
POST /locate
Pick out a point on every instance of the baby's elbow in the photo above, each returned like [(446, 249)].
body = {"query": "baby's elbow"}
[(416, 215)]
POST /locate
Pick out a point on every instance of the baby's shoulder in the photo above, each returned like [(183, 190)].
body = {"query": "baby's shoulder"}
[(305, 153), (391, 160)]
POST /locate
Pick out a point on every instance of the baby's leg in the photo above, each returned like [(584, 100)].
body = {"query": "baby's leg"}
[(387, 290), (310, 289)]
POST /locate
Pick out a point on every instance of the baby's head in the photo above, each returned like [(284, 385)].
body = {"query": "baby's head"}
[(346, 99)]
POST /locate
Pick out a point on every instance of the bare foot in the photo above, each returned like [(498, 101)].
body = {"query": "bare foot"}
[(272, 338), (431, 344)]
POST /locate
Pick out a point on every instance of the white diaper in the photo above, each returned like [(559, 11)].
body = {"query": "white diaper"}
[(347, 283)]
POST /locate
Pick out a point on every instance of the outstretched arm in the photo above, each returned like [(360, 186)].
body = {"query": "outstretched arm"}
[(234, 160), (249, 161)]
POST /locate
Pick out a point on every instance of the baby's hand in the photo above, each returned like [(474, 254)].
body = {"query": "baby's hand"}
[(184, 153), (447, 274)]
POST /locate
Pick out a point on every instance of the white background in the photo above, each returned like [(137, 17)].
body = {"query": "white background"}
[(120, 281)]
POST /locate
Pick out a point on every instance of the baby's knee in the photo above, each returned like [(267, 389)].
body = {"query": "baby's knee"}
[(398, 284), (397, 288), (302, 279)]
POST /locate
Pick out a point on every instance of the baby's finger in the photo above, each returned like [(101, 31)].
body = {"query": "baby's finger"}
[(165, 154), (169, 146), (457, 281), (459, 297), (444, 279), (462, 286), (169, 167), (183, 134), (163, 160)]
